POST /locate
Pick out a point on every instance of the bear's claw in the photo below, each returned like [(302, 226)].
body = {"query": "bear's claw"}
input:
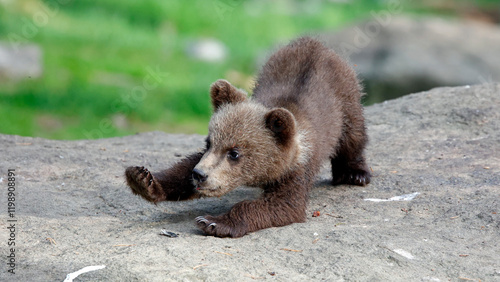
[(206, 225), (217, 226), (201, 219), (358, 177)]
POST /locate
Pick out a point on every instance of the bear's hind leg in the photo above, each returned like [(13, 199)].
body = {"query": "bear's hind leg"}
[(348, 164), (350, 171)]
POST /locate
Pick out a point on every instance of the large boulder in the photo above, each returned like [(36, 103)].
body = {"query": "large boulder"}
[(399, 55), (431, 213)]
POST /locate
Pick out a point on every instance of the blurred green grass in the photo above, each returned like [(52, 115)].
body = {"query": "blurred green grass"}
[(97, 53)]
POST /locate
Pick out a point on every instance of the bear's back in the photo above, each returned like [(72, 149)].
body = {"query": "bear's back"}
[(312, 82)]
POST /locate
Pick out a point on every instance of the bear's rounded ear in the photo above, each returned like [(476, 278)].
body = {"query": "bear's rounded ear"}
[(222, 92), (282, 123)]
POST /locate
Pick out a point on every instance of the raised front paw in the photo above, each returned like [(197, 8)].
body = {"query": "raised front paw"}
[(143, 183), (220, 226), (358, 177)]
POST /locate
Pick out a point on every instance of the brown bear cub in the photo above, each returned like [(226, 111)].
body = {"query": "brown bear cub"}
[(305, 109)]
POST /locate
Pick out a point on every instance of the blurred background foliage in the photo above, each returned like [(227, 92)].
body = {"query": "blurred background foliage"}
[(113, 68)]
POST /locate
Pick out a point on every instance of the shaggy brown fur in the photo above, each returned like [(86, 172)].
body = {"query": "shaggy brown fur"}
[(305, 110)]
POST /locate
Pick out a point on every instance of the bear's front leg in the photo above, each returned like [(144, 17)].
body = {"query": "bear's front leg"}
[(172, 184), (280, 207), (221, 226)]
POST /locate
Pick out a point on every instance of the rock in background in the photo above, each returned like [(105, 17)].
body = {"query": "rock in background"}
[(208, 50), (398, 55), (20, 61), (440, 148)]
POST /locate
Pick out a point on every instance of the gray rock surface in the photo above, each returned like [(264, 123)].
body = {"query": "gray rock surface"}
[(74, 210), (398, 55)]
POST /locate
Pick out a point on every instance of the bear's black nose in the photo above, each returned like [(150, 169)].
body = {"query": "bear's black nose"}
[(199, 175)]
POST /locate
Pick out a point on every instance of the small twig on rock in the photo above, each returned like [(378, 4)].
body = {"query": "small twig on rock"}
[(291, 250), (123, 245), (336, 216), (52, 241), (464, 278), (198, 266), (253, 277), (227, 254)]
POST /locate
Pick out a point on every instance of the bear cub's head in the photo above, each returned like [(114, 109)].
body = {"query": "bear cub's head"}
[(247, 143)]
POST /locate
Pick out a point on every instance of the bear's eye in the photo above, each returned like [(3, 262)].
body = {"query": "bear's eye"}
[(233, 154)]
